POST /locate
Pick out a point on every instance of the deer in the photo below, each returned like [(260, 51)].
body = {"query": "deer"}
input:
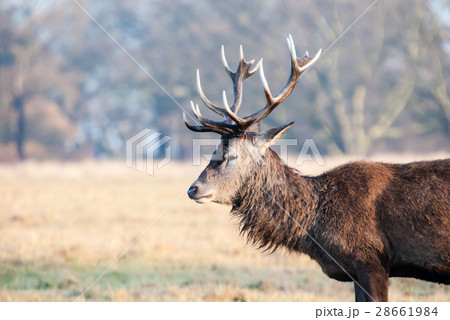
[(362, 222)]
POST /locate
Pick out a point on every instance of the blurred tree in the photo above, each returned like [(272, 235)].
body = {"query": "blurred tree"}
[(33, 87), (69, 89), (369, 78)]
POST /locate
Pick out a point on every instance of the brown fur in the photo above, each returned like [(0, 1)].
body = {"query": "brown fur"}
[(377, 220)]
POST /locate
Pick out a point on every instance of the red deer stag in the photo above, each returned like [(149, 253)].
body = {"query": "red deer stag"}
[(362, 222)]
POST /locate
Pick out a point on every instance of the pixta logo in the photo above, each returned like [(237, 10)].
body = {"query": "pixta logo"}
[(147, 146)]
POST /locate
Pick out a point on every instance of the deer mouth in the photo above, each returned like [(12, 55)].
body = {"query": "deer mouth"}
[(203, 199)]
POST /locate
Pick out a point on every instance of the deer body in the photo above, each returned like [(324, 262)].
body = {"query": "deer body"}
[(362, 222), (372, 218)]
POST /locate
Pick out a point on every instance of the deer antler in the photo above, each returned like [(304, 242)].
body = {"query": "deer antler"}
[(233, 123)]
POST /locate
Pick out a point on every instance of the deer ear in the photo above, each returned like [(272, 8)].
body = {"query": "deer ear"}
[(270, 136)]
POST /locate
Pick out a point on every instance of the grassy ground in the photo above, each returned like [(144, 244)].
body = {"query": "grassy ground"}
[(62, 225)]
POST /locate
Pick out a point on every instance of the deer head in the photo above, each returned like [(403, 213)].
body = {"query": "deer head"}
[(243, 148)]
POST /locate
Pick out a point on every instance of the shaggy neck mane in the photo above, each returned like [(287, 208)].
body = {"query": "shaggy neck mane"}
[(276, 205)]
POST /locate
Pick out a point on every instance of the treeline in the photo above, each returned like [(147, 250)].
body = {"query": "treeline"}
[(68, 91)]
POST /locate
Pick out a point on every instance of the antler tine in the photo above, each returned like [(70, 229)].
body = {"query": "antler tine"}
[(206, 101), (292, 51), (224, 98), (240, 122), (195, 128), (311, 61), (265, 84), (224, 61), (298, 66), (216, 126), (243, 72), (238, 77)]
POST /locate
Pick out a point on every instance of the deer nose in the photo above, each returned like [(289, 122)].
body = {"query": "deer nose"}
[(192, 191)]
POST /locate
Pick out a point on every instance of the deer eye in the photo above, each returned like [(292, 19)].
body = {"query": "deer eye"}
[(231, 160)]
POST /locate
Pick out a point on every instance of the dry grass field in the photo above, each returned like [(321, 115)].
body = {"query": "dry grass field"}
[(62, 225)]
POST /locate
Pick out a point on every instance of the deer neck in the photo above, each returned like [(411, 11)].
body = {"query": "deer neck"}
[(276, 206)]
